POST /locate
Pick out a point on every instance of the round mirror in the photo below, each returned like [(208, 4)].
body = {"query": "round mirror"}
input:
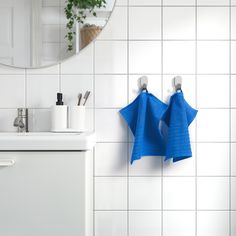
[(38, 33)]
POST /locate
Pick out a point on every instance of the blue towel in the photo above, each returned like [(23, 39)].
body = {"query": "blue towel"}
[(178, 117), (143, 117)]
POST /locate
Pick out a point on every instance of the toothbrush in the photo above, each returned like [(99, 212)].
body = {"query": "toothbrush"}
[(79, 98), (86, 95)]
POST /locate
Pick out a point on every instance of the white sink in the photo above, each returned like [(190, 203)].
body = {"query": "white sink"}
[(46, 141)]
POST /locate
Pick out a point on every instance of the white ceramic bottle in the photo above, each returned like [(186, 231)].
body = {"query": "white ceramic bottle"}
[(59, 115)]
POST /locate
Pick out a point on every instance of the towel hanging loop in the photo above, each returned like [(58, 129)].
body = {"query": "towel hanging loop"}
[(178, 83), (143, 81)]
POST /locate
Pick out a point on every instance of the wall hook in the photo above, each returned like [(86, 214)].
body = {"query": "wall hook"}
[(143, 83), (178, 83)]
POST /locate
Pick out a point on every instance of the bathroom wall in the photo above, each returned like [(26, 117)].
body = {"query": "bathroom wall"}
[(158, 38)]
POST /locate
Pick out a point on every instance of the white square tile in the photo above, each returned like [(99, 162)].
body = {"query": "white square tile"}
[(89, 123), (213, 23), (110, 57), (178, 193), (154, 86), (144, 193), (179, 2), (213, 2), (147, 166), (233, 159), (188, 87), (111, 159), (215, 88), (145, 23), (213, 193), (144, 2), (110, 193), (181, 168), (233, 193), (213, 57), (233, 22), (145, 223), (179, 57), (111, 223), (145, 57), (110, 126), (172, 225), (81, 63), (213, 159), (7, 117), (233, 91), (12, 91), (233, 125), (111, 91), (213, 223), (39, 120), (213, 125), (72, 85), (233, 2), (42, 90), (233, 57), (118, 18), (179, 23), (233, 225)]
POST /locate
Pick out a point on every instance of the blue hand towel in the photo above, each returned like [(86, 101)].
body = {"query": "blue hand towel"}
[(143, 116), (178, 117)]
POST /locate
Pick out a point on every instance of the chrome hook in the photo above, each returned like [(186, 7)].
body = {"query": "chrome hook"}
[(143, 82), (178, 83)]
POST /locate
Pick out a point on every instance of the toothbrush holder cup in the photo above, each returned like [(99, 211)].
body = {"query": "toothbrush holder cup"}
[(77, 118)]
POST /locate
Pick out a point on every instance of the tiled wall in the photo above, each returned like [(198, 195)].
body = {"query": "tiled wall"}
[(192, 38)]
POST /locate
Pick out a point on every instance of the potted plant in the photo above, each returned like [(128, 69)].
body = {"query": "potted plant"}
[(76, 11)]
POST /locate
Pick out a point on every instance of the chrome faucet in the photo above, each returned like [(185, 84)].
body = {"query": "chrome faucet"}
[(21, 121)]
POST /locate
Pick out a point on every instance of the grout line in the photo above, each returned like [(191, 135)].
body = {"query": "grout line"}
[(166, 40), (94, 117), (26, 90), (118, 108), (124, 74), (174, 6), (230, 103), (196, 102), (201, 142), (164, 210), (162, 92), (128, 153), (164, 176)]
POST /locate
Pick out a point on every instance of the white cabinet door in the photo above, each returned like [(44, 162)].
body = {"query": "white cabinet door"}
[(43, 194)]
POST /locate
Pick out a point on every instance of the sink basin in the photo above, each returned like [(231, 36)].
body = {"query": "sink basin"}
[(47, 141)]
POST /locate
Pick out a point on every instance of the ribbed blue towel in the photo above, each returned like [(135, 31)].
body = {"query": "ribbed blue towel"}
[(178, 117), (143, 117)]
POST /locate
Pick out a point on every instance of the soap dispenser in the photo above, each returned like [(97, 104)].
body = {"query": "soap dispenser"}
[(59, 115)]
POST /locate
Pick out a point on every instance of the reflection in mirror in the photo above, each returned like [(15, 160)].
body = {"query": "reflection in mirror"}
[(38, 33)]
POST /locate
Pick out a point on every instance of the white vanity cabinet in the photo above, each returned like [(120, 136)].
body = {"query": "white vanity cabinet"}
[(46, 193)]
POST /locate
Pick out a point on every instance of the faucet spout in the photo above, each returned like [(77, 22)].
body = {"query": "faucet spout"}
[(21, 121)]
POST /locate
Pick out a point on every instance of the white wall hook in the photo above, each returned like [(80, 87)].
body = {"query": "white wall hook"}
[(143, 83), (178, 83)]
